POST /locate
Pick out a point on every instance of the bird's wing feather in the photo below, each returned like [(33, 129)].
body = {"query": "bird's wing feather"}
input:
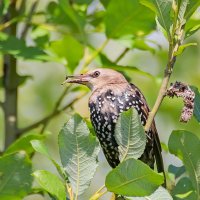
[(157, 146)]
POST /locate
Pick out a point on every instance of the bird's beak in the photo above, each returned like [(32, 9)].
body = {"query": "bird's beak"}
[(80, 79)]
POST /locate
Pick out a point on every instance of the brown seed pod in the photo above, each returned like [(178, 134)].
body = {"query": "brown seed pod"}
[(183, 90)]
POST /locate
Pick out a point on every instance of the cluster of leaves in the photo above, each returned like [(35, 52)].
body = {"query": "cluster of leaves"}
[(74, 21), (78, 152)]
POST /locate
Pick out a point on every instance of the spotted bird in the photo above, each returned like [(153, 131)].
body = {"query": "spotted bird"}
[(111, 95)]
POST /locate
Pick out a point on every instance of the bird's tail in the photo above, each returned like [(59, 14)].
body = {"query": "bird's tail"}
[(158, 155)]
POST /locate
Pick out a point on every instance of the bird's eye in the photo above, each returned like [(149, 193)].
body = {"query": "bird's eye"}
[(96, 74)]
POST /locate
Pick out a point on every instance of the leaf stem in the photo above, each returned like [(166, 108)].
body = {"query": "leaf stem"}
[(98, 193), (100, 189), (70, 192), (122, 55), (94, 55)]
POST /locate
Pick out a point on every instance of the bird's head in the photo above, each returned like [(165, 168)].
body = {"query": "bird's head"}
[(97, 78)]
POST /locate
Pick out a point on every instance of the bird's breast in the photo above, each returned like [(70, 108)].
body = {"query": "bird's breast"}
[(105, 109), (107, 106)]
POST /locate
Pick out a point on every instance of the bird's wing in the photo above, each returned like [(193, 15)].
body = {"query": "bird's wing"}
[(157, 146)]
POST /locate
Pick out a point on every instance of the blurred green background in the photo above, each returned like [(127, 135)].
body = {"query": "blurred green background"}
[(39, 93)]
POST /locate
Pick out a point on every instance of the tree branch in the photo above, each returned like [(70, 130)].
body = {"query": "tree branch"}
[(28, 19), (10, 84), (49, 117), (159, 100), (174, 43)]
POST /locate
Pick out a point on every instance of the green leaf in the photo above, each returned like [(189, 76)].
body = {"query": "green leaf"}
[(182, 6), (162, 8), (40, 147), (78, 152), (191, 8), (20, 50), (192, 26), (15, 178), (82, 1), (63, 14), (184, 190), (133, 178), (182, 48), (41, 36), (185, 145), (109, 64), (124, 18), (142, 45), (23, 143), (130, 135), (73, 16), (164, 147), (196, 103), (177, 171), (67, 49), (105, 2), (160, 194), (51, 183), (4, 5)]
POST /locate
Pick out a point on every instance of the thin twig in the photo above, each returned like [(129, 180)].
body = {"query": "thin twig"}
[(122, 55), (96, 196), (94, 55), (10, 22), (29, 17), (159, 100), (49, 117), (57, 105)]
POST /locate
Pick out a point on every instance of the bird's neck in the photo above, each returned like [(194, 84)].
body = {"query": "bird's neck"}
[(107, 86), (117, 88)]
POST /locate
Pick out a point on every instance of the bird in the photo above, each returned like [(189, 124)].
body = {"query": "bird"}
[(111, 95)]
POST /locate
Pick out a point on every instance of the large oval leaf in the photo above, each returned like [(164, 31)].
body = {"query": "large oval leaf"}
[(184, 190), (15, 176), (78, 152), (186, 146), (133, 178), (51, 183), (162, 8), (23, 143), (130, 135), (160, 194), (68, 49), (191, 7), (124, 17), (40, 147)]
